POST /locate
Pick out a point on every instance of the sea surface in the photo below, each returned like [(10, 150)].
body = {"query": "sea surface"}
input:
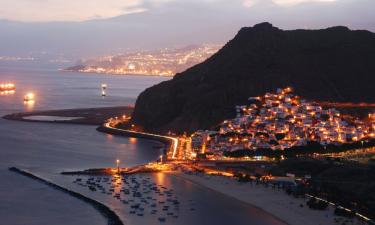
[(48, 149)]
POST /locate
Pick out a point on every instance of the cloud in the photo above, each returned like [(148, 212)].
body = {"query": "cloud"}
[(250, 3), (83, 10), (66, 10), (296, 2)]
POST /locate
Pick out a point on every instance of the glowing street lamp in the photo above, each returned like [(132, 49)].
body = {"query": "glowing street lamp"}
[(118, 165)]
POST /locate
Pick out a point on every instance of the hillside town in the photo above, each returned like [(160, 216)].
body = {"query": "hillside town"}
[(279, 121)]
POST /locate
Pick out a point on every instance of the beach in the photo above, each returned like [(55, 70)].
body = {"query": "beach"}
[(276, 202)]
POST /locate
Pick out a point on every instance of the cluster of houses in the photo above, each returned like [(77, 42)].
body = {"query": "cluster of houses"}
[(279, 121)]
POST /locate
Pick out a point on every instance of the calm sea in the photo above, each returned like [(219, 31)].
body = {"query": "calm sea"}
[(48, 149)]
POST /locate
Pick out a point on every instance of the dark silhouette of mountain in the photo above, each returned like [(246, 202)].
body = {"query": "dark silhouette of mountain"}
[(333, 64)]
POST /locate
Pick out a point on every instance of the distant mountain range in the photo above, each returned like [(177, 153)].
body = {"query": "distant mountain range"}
[(333, 64), (162, 62)]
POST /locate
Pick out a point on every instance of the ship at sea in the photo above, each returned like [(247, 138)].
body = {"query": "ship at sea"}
[(7, 87), (29, 97)]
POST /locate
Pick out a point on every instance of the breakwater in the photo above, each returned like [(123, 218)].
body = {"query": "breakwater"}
[(84, 116), (110, 215)]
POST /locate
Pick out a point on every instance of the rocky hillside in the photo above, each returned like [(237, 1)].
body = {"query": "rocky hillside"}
[(333, 64)]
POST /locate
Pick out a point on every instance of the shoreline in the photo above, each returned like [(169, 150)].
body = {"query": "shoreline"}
[(115, 74), (274, 202), (111, 217), (181, 176), (166, 142), (83, 116)]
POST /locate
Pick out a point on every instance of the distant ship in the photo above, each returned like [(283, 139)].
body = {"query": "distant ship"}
[(29, 97), (104, 87), (7, 87)]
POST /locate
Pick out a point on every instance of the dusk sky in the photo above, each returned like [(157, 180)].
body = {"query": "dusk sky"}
[(80, 10), (88, 27)]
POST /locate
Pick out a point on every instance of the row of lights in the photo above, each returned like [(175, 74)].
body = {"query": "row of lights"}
[(118, 163), (7, 87)]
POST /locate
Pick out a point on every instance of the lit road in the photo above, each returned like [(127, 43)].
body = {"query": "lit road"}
[(174, 140)]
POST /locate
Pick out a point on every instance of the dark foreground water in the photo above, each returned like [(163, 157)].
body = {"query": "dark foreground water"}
[(48, 149)]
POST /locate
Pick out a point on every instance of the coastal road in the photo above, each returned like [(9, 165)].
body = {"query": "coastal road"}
[(173, 148)]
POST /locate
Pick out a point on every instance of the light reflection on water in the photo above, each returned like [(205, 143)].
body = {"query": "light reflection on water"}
[(133, 140), (29, 105), (4, 93), (160, 178)]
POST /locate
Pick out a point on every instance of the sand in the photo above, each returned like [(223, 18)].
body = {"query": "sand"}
[(276, 202)]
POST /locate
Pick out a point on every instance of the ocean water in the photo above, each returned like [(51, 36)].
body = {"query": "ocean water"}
[(48, 149)]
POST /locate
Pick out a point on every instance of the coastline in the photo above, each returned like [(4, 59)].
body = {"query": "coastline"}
[(85, 116), (114, 74), (166, 142), (275, 202), (196, 182)]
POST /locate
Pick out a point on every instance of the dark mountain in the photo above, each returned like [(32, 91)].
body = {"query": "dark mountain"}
[(333, 64)]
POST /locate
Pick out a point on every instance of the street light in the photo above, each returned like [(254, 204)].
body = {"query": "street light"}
[(118, 165)]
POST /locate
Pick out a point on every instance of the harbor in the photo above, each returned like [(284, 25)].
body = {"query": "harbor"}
[(29, 146)]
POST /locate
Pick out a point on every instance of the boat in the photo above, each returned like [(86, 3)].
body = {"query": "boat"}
[(161, 219), (29, 97), (104, 87), (7, 87)]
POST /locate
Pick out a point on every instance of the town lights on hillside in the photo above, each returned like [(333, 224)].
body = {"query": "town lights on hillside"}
[(288, 90)]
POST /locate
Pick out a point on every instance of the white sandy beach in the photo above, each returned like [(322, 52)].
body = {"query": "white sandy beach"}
[(273, 201)]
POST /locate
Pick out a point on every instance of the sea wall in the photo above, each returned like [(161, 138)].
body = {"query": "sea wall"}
[(110, 215)]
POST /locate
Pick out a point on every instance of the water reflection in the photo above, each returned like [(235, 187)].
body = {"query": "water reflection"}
[(29, 105), (133, 140), (109, 136), (160, 178), (4, 93)]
